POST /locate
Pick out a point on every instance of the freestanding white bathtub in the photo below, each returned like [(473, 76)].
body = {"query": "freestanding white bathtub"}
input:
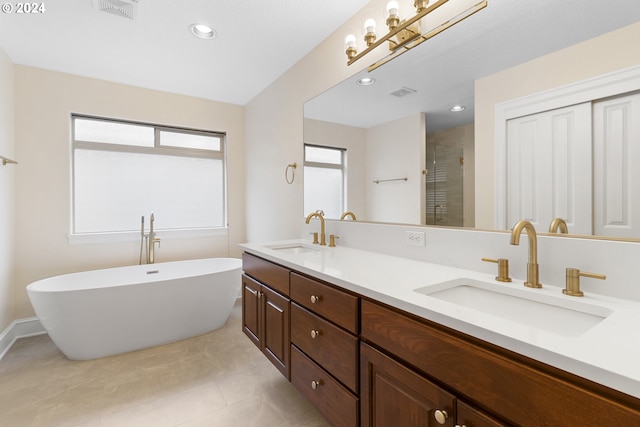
[(105, 312)]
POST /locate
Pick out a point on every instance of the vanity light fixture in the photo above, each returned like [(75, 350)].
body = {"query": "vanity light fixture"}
[(366, 81), (202, 31), (457, 108), (404, 35)]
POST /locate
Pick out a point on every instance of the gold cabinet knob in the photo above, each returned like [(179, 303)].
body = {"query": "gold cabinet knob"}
[(314, 299), (441, 416), (315, 333), (573, 281), (503, 268), (316, 384)]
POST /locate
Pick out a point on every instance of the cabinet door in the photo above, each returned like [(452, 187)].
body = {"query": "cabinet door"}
[(276, 340), (393, 395), (251, 312), (471, 417)]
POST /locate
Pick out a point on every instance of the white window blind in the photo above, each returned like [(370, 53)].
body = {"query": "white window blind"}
[(324, 180), (118, 176)]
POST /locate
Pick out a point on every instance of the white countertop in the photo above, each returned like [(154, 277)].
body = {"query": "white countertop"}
[(607, 353)]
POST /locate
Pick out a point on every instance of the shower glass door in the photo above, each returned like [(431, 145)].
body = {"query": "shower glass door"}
[(444, 185)]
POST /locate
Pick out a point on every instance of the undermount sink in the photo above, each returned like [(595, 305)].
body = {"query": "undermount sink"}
[(555, 315), (295, 249)]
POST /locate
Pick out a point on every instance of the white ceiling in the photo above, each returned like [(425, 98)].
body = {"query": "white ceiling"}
[(444, 68), (256, 42)]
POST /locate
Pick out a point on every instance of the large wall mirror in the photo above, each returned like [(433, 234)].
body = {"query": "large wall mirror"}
[(410, 159)]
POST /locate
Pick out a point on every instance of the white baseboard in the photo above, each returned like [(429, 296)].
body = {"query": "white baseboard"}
[(20, 328)]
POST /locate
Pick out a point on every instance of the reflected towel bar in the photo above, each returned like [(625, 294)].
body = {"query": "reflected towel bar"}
[(6, 161), (378, 181)]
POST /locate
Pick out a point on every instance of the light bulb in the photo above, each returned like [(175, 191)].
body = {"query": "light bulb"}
[(393, 20), (350, 40), (351, 50), (392, 7), (370, 25)]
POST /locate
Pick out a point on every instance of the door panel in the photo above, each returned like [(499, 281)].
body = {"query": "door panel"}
[(616, 130), (549, 168)]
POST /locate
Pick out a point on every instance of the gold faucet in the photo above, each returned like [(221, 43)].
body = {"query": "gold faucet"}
[(348, 213), (532, 266), (558, 223), (323, 240), (151, 256)]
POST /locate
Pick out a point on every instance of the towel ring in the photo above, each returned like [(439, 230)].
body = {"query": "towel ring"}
[(291, 167)]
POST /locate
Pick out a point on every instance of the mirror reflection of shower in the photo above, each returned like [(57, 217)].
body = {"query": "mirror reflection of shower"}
[(444, 185)]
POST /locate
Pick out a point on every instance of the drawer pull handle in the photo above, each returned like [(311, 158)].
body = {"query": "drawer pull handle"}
[(314, 299), (441, 416), (460, 425), (316, 384), (315, 333)]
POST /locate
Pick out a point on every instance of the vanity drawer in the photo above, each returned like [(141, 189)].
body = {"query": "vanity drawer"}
[(331, 347), (334, 401), (330, 303), (523, 391), (268, 273)]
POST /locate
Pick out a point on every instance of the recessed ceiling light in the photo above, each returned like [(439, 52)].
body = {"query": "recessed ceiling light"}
[(366, 81), (202, 31), (456, 108)]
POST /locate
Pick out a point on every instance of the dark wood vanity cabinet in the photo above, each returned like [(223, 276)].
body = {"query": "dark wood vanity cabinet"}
[(363, 363), (265, 312), (513, 388)]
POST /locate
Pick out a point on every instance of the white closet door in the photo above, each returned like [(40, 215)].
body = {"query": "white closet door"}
[(616, 144), (549, 168)]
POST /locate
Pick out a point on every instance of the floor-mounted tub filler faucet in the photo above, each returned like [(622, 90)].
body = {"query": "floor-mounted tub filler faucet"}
[(148, 241), (152, 242), (532, 265)]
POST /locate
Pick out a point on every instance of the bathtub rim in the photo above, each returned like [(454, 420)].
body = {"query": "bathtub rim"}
[(48, 284)]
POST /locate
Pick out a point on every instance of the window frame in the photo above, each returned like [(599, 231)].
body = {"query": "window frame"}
[(157, 149)]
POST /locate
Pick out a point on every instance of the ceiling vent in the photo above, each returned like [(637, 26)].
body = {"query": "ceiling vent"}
[(404, 91), (123, 8)]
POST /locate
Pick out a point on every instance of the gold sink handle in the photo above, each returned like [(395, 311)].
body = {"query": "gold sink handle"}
[(503, 268), (573, 281)]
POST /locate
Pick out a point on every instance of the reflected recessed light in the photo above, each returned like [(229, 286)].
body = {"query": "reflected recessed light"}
[(202, 31), (366, 81), (456, 108)]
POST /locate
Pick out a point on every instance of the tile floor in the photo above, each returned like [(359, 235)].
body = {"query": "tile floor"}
[(218, 379)]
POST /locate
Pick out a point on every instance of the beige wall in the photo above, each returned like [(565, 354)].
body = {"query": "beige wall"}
[(7, 173), (274, 133), (613, 51), (44, 102)]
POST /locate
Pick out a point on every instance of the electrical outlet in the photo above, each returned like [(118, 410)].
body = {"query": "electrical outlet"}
[(415, 238)]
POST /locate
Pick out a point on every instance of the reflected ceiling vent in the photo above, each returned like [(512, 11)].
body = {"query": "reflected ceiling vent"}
[(123, 8), (404, 91)]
